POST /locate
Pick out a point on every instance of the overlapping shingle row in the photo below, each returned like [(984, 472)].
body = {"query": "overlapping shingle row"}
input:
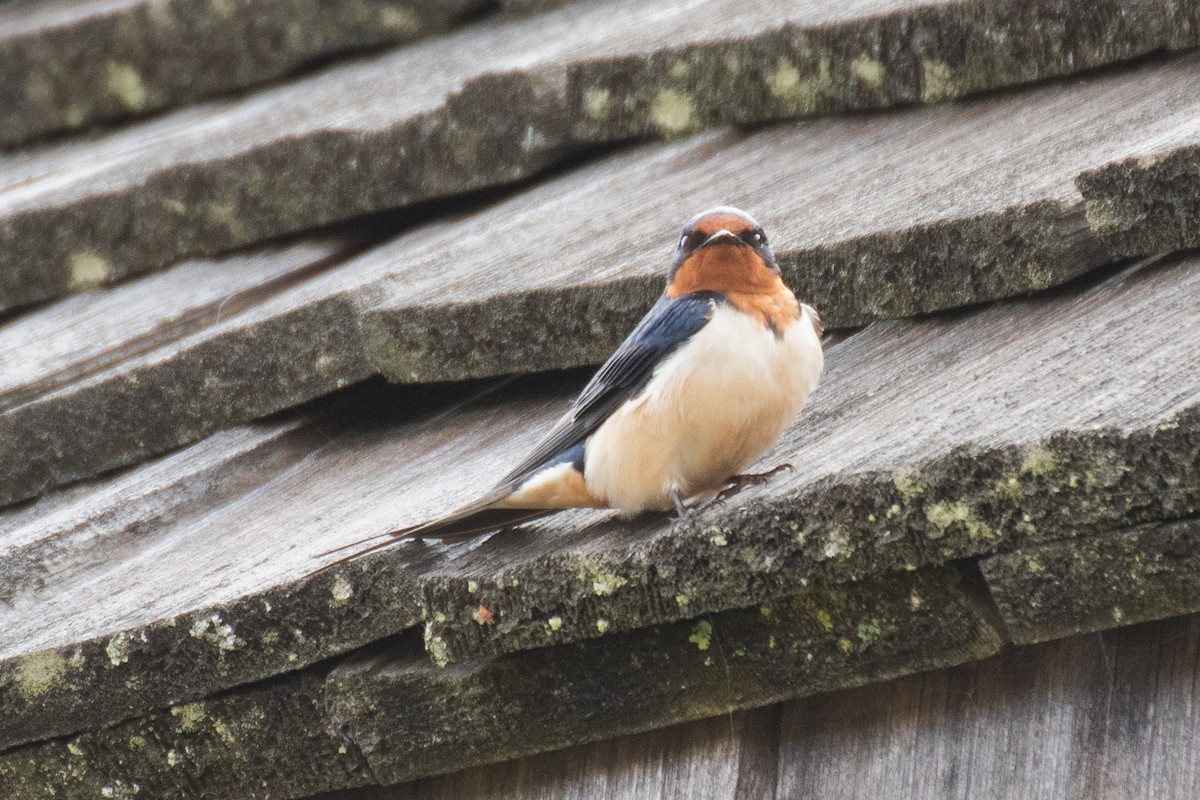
[(1016, 471)]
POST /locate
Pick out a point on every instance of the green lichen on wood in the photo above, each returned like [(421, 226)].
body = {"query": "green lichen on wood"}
[(1147, 203), (112, 677), (218, 748), (894, 274), (552, 328), (389, 715), (493, 129), (933, 54), (1059, 589), (1071, 484), (148, 56), (667, 673)]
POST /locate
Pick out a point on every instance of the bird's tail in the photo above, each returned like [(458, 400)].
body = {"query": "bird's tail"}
[(476, 519)]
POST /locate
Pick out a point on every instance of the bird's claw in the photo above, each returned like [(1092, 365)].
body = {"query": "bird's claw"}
[(682, 509), (739, 482)]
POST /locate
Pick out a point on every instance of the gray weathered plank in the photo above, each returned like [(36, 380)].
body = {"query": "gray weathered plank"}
[(1147, 201), (72, 63), (1026, 422), (950, 206), (389, 715), (1110, 717), (492, 106), (1032, 421), (1100, 717), (79, 337), (197, 632), (320, 149), (864, 54), (215, 535), (702, 759), (1054, 590), (105, 379)]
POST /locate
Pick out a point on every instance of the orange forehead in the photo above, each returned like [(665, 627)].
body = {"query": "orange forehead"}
[(734, 223)]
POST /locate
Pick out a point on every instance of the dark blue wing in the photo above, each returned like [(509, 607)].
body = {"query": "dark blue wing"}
[(668, 324)]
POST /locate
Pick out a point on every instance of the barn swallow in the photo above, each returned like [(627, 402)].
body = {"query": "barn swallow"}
[(708, 380)]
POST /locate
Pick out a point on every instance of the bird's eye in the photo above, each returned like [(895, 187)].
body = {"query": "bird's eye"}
[(754, 238)]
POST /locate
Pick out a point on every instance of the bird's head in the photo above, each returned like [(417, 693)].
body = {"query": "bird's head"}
[(722, 250)]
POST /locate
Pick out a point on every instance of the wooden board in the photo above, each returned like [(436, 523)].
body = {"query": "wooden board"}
[(858, 55), (1062, 588), (72, 63), (388, 714), (1146, 201), (75, 339), (870, 217), (942, 439), (731, 756), (493, 106), (1021, 423), (317, 150), (1101, 717)]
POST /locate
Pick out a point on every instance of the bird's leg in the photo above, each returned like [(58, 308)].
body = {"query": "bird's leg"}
[(680, 509), (737, 483)]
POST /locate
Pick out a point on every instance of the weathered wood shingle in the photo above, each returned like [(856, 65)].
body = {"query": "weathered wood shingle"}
[(1009, 450), (72, 63), (1068, 719), (388, 714), (871, 218), (492, 106), (910, 455)]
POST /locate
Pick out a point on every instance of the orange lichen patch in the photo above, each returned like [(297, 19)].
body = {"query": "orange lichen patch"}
[(734, 223), (725, 268), (560, 486), (483, 616)]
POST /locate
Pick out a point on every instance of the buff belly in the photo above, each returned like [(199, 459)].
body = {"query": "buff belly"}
[(710, 410)]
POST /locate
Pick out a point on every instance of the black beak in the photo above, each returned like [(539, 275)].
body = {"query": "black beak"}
[(722, 236)]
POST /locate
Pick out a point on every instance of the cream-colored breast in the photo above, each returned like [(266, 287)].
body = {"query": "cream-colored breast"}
[(709, 410)]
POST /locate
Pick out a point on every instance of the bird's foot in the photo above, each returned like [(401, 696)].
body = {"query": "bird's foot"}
[(681, 508), (739, 482)]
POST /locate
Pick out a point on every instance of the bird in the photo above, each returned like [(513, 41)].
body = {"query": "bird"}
[(712, 375)]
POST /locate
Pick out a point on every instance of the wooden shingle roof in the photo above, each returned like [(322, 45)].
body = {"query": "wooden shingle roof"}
[(336, 284)]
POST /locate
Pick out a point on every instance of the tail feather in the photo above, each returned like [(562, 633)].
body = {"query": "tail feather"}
[(466, 523)]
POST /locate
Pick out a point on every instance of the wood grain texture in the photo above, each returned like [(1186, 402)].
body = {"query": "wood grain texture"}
[(492, 107), (895, 470), (72, 63), (388, 714), (1145, 202), (870, 217), (235, 633), (1098, 717), (873, 52), (105, 379), (1026, 422), (318, 150), (1054, 590), (711, 758), (73, 340), (1104, 716), (948, 207), (856, 55)]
